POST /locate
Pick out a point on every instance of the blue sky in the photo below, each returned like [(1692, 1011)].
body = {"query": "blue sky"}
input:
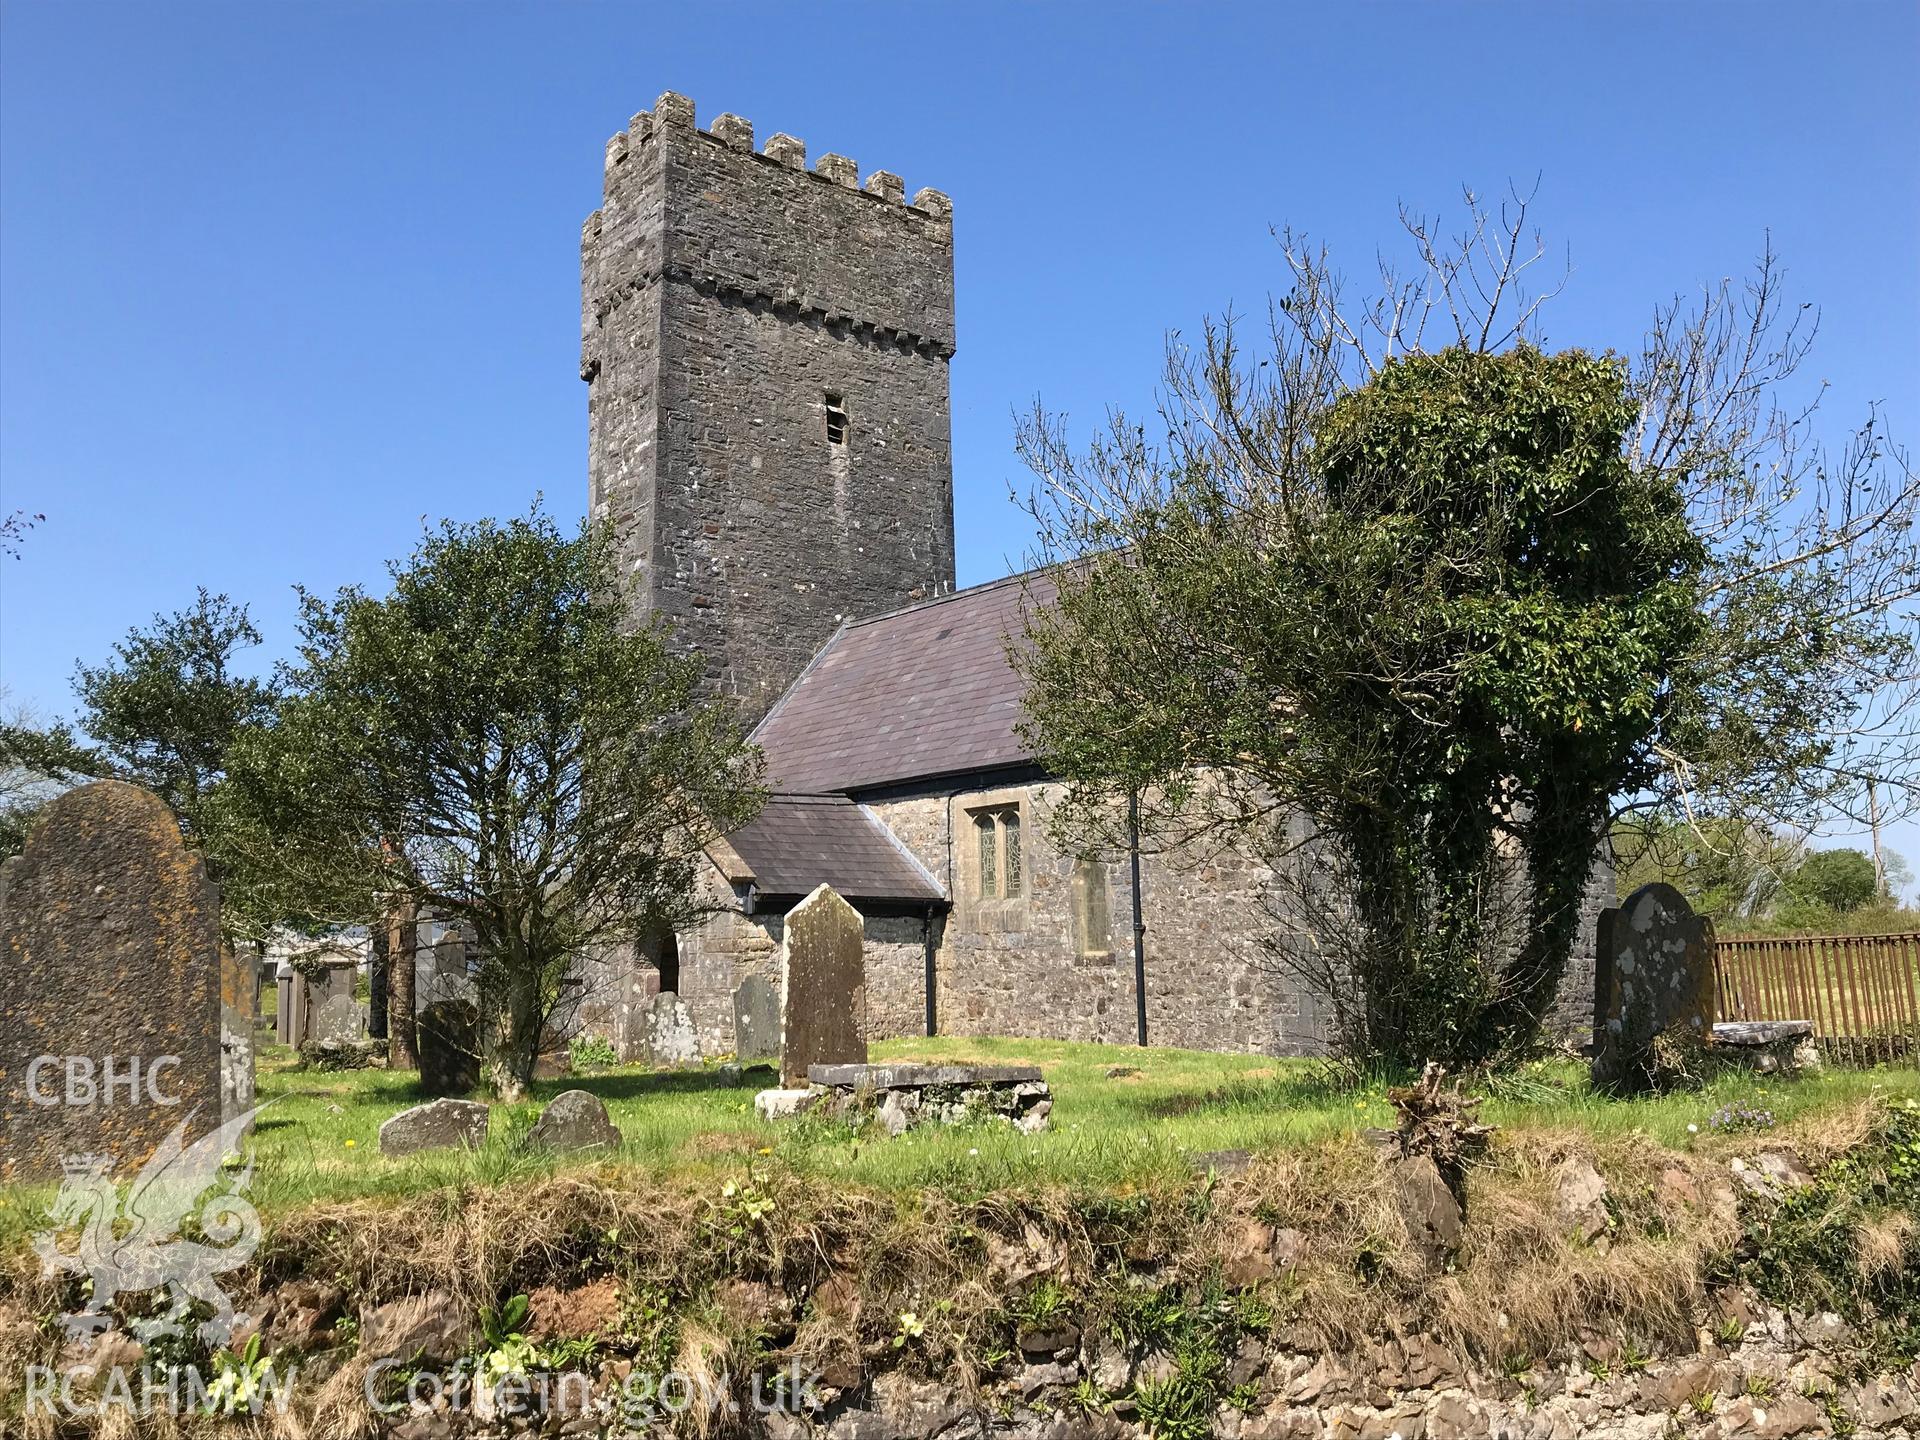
[(276, 281)]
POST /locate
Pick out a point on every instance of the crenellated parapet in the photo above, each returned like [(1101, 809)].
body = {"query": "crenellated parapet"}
[(674, 112), (765, 335), (761, 227)]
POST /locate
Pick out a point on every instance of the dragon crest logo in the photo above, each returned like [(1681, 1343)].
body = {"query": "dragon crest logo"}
[(130, 1241)]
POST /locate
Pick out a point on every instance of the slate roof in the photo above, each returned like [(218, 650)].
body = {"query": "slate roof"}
[(799, 842), (910, 695)]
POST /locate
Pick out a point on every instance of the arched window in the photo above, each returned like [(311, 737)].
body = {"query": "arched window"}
[(997, 834)]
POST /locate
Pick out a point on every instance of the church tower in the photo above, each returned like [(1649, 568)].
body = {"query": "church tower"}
[(765, 347)]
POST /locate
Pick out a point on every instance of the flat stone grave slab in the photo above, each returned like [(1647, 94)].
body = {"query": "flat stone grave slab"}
[(1760, 1032), (918, 1077), (905, 1095), (1768, 1047)]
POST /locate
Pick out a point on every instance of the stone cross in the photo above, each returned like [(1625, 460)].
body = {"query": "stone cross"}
[(1653, 973), (823, 987), (110, 985)]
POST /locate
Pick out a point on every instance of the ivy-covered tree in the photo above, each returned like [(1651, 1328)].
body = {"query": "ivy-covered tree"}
[(1413, 608), (493, 742)]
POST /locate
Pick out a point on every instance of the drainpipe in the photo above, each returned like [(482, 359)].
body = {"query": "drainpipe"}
[(1139, 919), (933, 1013)]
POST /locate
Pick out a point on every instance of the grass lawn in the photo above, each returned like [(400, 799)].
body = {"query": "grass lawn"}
[(318, 1137)]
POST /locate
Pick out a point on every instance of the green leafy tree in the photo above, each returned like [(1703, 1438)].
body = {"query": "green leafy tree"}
[(1839, 881), (166, 707), (1729, 869), (37, 761), (493, 742), (1415, 619)]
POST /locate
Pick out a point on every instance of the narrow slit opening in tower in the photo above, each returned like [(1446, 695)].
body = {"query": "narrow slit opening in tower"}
[(836, 420)]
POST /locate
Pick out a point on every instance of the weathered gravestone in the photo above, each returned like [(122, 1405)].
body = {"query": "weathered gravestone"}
[(290, 1000), (306, 989), (438, 1125), (671, 1039), (110, 981), (576, 1120), (1653, 977), (239, 1013), (449, 1042), (337, 1018), (756, 1021), (443, 974), (823, 987)]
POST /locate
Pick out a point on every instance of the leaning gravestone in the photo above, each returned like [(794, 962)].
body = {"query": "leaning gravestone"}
[(756, 1021), (576, 1120), (1653, 975), (110, 980), (823, 987)]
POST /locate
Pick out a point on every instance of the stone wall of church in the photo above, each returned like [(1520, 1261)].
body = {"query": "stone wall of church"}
[(727, 946), (1057, 961), (728, 296)]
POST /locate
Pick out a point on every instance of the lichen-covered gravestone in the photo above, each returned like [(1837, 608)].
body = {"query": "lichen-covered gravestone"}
[(756, 1021), (671, 1040), (576, 1120), (823, 987), (337, 1018), (1654, 975), (110, 985), (444, 974), (438, 1125)]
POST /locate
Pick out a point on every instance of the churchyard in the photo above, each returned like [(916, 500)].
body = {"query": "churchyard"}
[(1123, 1115), (1145, 1241), (670, 975)]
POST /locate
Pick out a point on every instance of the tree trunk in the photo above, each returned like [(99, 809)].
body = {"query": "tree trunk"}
[(403, 938), (513, 1041), (377, 984)]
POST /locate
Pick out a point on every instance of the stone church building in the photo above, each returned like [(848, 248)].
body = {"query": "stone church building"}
[(765, 345)]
